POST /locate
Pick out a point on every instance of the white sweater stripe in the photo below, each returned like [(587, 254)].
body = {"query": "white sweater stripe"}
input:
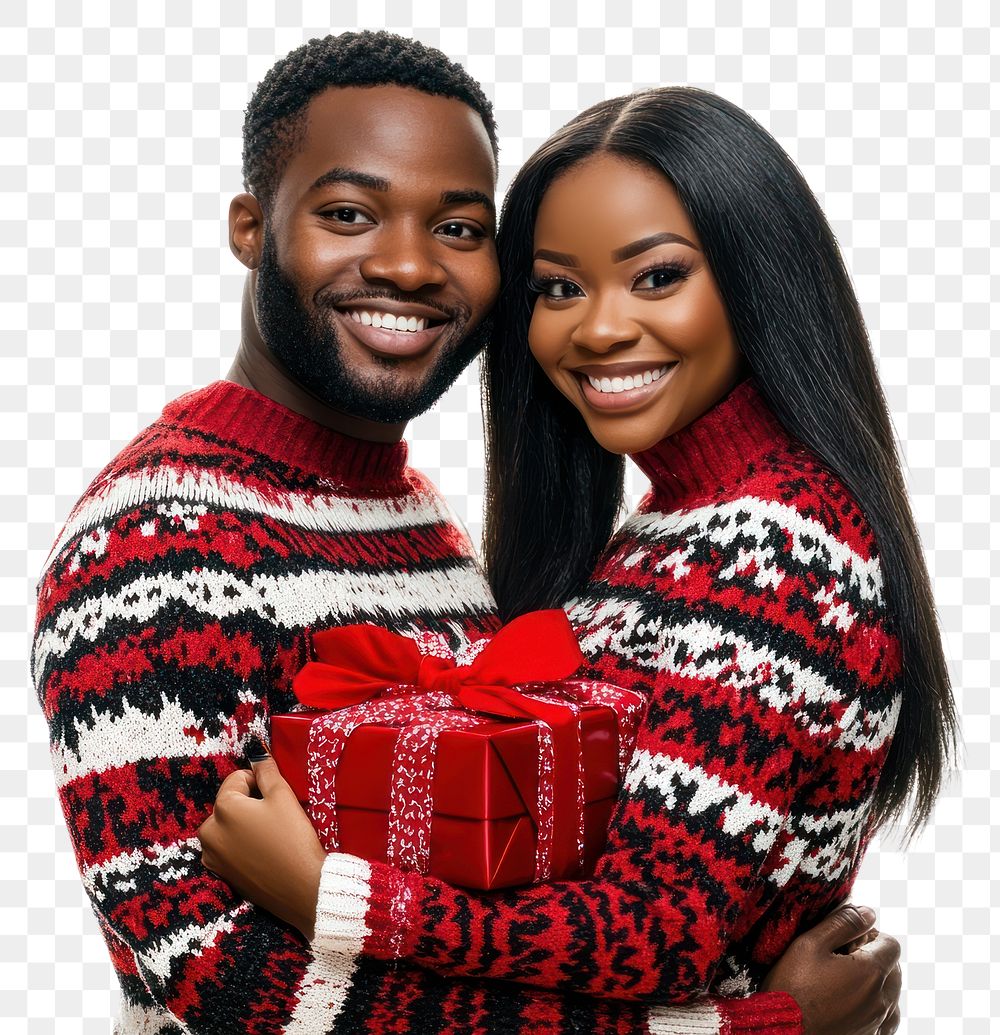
[(322, 992), (189, 941), (318, 513), (694, 1019), (111, 741), (134, 1019), (621, 627), (171, 861), (303, 599), (739, 811), (759, 519), (821, 846)]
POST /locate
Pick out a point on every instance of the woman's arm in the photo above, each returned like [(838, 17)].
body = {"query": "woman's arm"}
[(692, 863), (693, 858), (266, 848)]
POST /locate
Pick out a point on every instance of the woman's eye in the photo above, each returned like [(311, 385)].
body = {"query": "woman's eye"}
[(562, 289), (350, 216), (557, 290), (462, 231), (661, 277)]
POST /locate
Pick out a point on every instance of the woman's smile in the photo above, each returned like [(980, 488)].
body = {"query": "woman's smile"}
[(622, 386)]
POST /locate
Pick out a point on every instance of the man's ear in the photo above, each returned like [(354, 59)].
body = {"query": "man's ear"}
[(246, 229)]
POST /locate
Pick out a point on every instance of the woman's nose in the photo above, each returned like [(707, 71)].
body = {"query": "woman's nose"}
[(605, 323)]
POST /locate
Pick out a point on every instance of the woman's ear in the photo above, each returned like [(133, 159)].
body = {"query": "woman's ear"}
[(246, 228)]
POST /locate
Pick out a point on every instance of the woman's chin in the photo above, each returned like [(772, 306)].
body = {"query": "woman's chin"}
[(625, 440)]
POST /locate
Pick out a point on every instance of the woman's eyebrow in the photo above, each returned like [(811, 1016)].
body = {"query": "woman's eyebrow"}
[(559, 258), (629, 251)]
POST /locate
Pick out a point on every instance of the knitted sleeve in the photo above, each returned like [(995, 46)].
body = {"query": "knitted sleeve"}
[(773, 698), (152, 681)]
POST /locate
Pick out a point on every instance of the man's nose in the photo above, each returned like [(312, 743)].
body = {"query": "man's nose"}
[(404, 257)]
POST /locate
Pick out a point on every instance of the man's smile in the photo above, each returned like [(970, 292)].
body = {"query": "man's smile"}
[(392, 330)]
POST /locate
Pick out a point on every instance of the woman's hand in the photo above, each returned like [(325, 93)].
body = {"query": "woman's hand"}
[(266, 847), (844, 975)]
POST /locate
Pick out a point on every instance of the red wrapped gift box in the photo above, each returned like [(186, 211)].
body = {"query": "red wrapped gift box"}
[(408, 762), (485, 789)]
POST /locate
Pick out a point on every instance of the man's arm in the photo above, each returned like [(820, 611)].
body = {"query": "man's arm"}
[(152, 677), (843, 981)]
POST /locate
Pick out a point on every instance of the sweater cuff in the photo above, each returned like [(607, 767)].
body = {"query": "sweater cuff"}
[(764, 1013), (362, 907)]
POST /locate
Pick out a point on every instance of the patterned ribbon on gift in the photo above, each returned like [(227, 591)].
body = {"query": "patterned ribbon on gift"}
[(369, 675)]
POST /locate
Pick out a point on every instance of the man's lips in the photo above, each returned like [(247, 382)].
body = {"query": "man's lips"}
[(404, 309), (395, 343)]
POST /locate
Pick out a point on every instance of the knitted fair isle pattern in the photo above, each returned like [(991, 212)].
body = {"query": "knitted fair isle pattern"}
[(173, 612), (745, 599)]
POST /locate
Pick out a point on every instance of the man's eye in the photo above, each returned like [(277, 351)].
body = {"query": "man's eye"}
[(351, 216), (462, 231)]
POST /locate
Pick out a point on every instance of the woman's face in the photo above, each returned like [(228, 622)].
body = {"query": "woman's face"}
[(628, 323)]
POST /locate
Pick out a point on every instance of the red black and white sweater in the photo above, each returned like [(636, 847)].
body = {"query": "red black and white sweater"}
[(174, 611), (745, 599)]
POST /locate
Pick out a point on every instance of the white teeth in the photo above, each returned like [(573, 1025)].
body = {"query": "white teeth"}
[(389, 320), (614, 385)]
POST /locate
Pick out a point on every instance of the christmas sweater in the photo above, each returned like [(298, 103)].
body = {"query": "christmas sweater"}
[(173, 611), (744, 599)]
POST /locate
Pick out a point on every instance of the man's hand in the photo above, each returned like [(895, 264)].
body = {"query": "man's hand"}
[(844, 975), (266, 847)]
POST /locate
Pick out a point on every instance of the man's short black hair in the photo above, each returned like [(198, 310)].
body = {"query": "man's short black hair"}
[(274, 122)]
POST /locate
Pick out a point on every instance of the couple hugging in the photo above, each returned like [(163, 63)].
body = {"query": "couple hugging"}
[(662, 284)]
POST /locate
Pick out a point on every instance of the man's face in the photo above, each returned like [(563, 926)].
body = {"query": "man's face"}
[(378, 266)]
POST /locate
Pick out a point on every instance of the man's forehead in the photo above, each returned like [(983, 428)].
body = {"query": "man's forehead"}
[(351, 123)]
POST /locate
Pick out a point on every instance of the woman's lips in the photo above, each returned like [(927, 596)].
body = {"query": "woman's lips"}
[(393, 343), (627, 398)]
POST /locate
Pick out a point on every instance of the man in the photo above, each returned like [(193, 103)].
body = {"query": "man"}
[(177, 602)]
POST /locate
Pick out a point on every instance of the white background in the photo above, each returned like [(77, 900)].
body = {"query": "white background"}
[(120, 150)]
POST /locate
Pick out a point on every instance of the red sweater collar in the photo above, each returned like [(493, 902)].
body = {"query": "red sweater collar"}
[(715, 450), (253, 421)]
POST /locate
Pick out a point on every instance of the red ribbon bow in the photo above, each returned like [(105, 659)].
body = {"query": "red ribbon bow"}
[(359, 662)]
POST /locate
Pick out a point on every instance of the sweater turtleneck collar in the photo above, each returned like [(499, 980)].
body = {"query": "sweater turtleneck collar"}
[(238, 414), (715, 450)]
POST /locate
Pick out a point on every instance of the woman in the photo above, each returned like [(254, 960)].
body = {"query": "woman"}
[(684, 302)]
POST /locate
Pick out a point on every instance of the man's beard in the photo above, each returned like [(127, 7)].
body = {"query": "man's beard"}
[(308, 346)]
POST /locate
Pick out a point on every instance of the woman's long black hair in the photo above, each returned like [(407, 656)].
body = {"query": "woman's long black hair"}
[(553, 495)]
